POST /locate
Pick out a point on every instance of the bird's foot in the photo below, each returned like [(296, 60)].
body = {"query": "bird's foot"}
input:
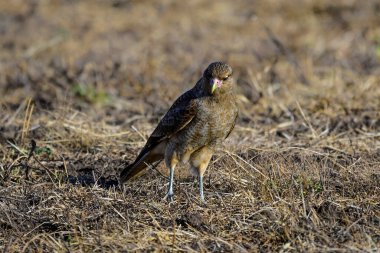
[(203, 202), (169, 197)]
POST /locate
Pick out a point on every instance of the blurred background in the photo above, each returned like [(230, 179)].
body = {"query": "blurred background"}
[(55, 50)]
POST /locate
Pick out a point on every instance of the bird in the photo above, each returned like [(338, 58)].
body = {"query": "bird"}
[(194, 126)]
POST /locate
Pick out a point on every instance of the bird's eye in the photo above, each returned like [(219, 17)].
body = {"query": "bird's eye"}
[(225, 78)]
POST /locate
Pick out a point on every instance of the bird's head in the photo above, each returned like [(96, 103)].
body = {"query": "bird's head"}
[(218, 78)]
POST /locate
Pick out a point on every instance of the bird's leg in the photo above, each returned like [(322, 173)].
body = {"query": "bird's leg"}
[(199, 162), (169, 196), (201, 188), (171, 179)]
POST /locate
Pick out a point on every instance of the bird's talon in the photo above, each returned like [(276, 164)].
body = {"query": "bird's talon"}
[(203, 203), (169, 197)]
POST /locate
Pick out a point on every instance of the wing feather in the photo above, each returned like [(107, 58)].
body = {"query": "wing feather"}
[(233, 125), (177, 117)]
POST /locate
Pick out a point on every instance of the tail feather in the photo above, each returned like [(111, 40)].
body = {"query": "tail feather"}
[(137, 168)]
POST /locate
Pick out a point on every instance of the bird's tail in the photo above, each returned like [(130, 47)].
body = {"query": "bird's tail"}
[(137, 167)]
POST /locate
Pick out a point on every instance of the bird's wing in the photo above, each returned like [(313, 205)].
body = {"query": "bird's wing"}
[(233, 125), (178, 116)]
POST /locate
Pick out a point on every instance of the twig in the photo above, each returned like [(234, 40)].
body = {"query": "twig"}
[(27, 118), (17, 148), (154, 167), (306, 120), (33, 146), (46, 168), (41, 47), (250, 165), (9, 120), (137, 131)]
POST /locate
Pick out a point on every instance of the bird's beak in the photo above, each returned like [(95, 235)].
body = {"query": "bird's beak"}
[(215, 83)]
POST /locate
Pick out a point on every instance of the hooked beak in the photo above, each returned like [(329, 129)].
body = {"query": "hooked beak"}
[(215, 83)]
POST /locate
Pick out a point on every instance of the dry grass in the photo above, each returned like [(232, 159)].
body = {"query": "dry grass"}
[(89, 80)]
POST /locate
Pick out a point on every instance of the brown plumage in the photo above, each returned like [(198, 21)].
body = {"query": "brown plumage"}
[(197, 122)]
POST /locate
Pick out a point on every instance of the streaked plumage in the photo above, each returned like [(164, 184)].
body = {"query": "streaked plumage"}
[(196, 123)]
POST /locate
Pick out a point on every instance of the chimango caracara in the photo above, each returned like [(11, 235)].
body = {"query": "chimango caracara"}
[(197, 123)]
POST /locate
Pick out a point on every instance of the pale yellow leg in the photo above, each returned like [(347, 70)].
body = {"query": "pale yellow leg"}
[(199, 161)]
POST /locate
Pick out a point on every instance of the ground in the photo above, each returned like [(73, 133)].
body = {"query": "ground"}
[(83, 84)]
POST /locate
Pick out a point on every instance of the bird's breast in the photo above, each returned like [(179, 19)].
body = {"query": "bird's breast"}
[(216, 118), (209, 127)]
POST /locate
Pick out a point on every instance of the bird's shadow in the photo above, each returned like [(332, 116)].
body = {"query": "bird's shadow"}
[(88, 178)]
